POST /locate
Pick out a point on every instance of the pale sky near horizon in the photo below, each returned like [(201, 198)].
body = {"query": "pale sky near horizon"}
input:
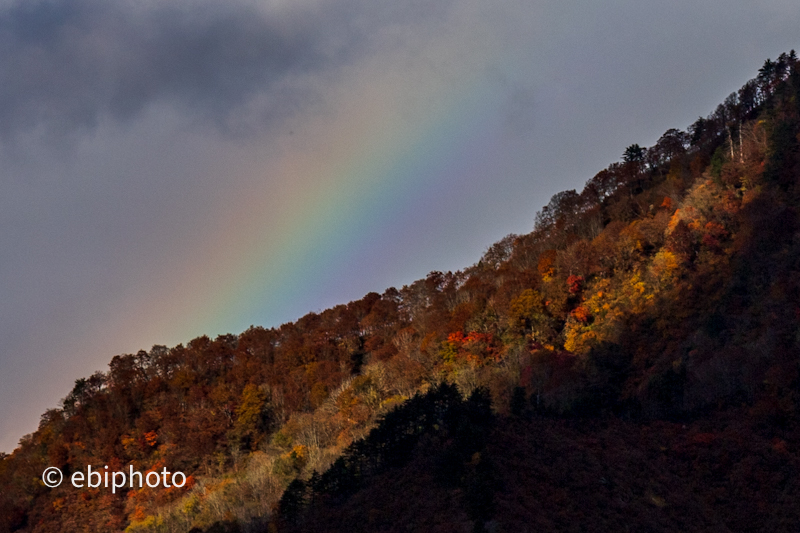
[(176, 168)]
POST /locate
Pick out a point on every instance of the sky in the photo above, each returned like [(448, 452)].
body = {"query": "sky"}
[(177, 168)]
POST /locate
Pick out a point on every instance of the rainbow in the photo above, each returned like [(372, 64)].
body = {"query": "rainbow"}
[(327, 192)]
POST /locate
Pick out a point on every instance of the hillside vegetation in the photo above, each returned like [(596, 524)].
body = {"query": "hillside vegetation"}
[(633, 363)]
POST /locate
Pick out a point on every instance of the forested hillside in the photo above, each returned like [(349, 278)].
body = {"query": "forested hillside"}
[(633, 362)]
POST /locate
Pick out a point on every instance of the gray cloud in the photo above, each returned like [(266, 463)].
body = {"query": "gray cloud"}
[(67, 64)]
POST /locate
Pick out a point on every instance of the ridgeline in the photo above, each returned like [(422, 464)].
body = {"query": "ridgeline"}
[(633, 363)]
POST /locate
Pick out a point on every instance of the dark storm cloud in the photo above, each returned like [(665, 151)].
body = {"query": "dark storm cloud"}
[(67, 63)]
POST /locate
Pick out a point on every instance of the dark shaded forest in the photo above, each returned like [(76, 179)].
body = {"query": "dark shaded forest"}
[(633, 363)]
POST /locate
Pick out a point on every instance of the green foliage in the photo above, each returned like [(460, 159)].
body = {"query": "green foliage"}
[(441, 413), (717, 160), (783, 162), (633, 154)]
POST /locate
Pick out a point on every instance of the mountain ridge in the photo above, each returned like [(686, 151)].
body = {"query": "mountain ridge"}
[(660, 300)]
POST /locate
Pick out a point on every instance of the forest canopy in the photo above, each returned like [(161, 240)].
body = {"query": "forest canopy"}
[(662, 299)]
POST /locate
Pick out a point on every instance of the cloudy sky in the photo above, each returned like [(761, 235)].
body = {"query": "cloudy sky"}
[(174, 168)]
